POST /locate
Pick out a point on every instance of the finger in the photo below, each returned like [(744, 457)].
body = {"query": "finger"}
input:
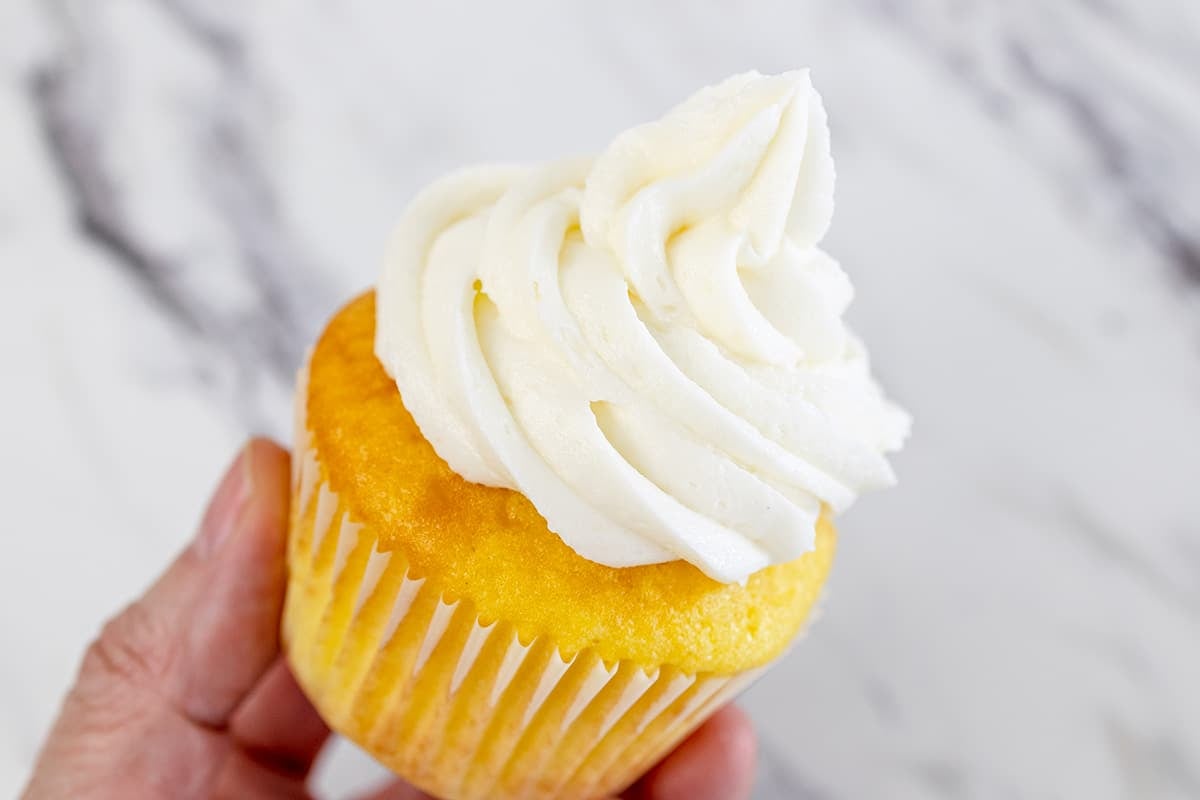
[(398, 790), (714, 763), (277, 726), (244, 777), (186, 652), (231, 633), (206, 631)]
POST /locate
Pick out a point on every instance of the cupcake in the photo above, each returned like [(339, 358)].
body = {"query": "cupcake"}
[(564, 481)]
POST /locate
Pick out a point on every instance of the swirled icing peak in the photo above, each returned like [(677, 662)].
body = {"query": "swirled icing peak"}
[(649, 344)]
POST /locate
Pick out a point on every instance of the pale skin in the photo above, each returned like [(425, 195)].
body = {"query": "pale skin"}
[(184, 694)]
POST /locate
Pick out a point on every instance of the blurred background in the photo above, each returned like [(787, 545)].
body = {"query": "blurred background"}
[(188, 189)]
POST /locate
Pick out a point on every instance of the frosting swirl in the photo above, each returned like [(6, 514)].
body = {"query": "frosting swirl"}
[(648, 345)]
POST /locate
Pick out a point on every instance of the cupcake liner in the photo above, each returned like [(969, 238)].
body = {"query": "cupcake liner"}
[(458, 705)]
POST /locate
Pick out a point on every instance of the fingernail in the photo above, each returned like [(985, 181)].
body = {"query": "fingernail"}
[(226, 505)]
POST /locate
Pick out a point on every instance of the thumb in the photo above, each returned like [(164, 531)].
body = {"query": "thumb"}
[(215, 612), (163, 677)]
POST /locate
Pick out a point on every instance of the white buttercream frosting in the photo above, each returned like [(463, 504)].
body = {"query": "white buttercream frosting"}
[(649, 344)]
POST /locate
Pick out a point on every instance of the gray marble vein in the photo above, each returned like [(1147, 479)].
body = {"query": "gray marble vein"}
[(264, 335), (1136, 136)]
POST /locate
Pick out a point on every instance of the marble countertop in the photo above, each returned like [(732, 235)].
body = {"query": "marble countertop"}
[(188, 189)]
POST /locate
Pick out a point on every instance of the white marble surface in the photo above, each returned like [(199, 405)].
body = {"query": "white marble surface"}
[(188, 188)]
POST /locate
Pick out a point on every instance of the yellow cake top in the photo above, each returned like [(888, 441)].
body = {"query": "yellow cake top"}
[(490, 545)]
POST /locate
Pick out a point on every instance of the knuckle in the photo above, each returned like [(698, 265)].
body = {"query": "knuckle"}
[(132, 648)]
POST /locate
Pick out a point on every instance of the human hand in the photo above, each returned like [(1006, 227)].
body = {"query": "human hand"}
[(184, 694)]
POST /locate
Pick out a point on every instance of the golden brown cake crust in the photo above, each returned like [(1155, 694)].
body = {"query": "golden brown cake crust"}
[(491, 546)]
